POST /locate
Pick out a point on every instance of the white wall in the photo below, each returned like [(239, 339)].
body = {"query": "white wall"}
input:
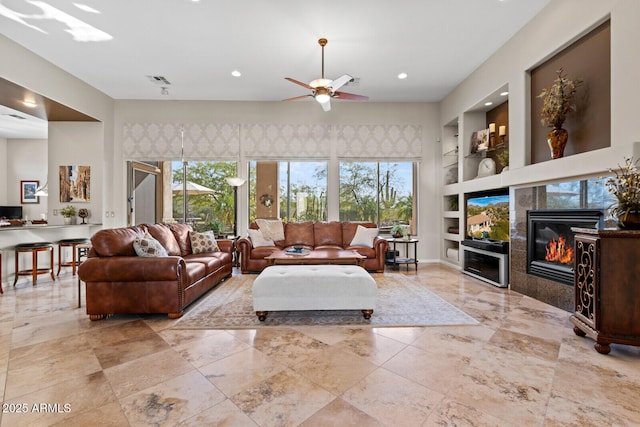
[(558, 25), (28, 158), (76, 144)]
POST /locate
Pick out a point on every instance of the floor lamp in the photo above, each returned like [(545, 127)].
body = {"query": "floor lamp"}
[(235, 182)]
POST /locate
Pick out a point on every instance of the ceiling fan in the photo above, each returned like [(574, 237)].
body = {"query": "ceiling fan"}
[(322, 90)]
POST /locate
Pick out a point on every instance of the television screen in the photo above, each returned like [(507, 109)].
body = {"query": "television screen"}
[(11, 212), (488, 216)]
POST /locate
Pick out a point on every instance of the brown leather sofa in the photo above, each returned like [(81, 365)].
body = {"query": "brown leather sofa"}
[(119, 282), (314, 235)]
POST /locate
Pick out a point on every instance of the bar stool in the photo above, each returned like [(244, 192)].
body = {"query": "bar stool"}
[(70, 243), (34, 249)]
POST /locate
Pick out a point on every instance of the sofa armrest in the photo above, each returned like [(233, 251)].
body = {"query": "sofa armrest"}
[(225, 245), (244, 245), (381, 246), (132, 269)]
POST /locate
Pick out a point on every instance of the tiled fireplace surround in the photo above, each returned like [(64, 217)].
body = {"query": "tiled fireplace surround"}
[(551, 292)]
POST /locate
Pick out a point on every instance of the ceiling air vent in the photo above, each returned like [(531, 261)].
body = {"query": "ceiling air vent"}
[(159, 80)]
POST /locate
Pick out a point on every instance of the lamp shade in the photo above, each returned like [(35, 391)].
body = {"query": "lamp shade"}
[(235, 181)]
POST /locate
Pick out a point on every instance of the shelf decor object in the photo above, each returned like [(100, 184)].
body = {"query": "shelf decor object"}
[(557, 103), (625, 187)]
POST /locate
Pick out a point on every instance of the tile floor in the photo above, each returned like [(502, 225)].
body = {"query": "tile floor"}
[(521, 366)]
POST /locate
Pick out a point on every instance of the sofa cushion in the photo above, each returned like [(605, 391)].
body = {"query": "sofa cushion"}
[(203, 242), (211, 263), (163, 234), (327, 234), (181, 233), (258, 240), (271, 228), (195, 271), (115, 241), (147, 246), (349, 230), (299, 234), (364, 236)]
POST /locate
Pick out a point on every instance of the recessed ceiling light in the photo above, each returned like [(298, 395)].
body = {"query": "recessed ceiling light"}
[(29, 103), (236, 73), (488, 103), (504, 93), (402, 76)]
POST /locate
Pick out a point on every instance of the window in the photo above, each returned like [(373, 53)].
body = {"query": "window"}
[(378, 192), (293, 191), (209, 204)]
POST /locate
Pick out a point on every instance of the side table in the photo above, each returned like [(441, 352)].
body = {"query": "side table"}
[(397, 261)]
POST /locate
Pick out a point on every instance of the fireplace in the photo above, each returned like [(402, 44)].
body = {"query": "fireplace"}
[(550, 252)]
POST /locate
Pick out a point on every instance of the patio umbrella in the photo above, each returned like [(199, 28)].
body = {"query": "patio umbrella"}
[(192, 189)]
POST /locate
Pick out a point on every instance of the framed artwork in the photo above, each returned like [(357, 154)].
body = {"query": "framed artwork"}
[(75, 184), (28, 192), (479, 141)]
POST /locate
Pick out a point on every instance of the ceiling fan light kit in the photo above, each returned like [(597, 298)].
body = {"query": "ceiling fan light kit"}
[(322, 90)]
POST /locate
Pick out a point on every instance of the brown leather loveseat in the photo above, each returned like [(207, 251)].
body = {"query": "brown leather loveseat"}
[(314, 235), (119, 282)]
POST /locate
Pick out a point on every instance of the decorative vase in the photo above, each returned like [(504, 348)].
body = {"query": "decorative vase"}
[(397, 234), (69, 220), (629, 221), (557, 140)]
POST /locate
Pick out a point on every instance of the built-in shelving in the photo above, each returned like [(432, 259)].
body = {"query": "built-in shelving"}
[(460, 167)]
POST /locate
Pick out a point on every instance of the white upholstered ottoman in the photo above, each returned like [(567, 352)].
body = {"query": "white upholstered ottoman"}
[(314, 287)]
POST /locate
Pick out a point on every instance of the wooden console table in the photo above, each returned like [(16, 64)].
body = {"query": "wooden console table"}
[(607, 291)]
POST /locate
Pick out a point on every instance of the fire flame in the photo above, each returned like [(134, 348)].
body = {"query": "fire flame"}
[(558, 251)]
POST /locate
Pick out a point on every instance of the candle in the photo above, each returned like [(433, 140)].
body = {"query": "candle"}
[(502, 131), (492, 128)]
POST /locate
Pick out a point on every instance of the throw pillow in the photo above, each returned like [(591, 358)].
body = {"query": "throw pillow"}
[(271, 228), (147, 246), (258, 240), (203, 242), (364, 236)]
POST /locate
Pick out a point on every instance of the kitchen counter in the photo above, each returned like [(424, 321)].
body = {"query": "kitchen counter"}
[(13, 235)]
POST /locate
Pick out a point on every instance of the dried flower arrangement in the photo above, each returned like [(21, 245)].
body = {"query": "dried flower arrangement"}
[(556, 100), (625, 186)]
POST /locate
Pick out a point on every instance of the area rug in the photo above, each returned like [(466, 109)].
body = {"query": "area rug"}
[(401, 301)]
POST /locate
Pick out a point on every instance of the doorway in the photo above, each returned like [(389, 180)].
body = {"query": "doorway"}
[(144, 193)]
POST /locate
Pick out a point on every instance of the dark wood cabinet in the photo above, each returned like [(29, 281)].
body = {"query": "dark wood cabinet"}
[(607, 287)]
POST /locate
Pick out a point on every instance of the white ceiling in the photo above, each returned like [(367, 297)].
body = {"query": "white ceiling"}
[(196, 44)]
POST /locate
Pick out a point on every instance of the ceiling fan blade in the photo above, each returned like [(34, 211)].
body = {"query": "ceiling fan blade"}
[(295, 98), (341, 81), (351, 96), (326, 106), (298, 83)]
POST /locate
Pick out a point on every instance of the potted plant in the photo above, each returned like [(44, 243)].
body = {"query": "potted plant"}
[(69, 214), (398, 230), (556, 105), (625, 186)]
